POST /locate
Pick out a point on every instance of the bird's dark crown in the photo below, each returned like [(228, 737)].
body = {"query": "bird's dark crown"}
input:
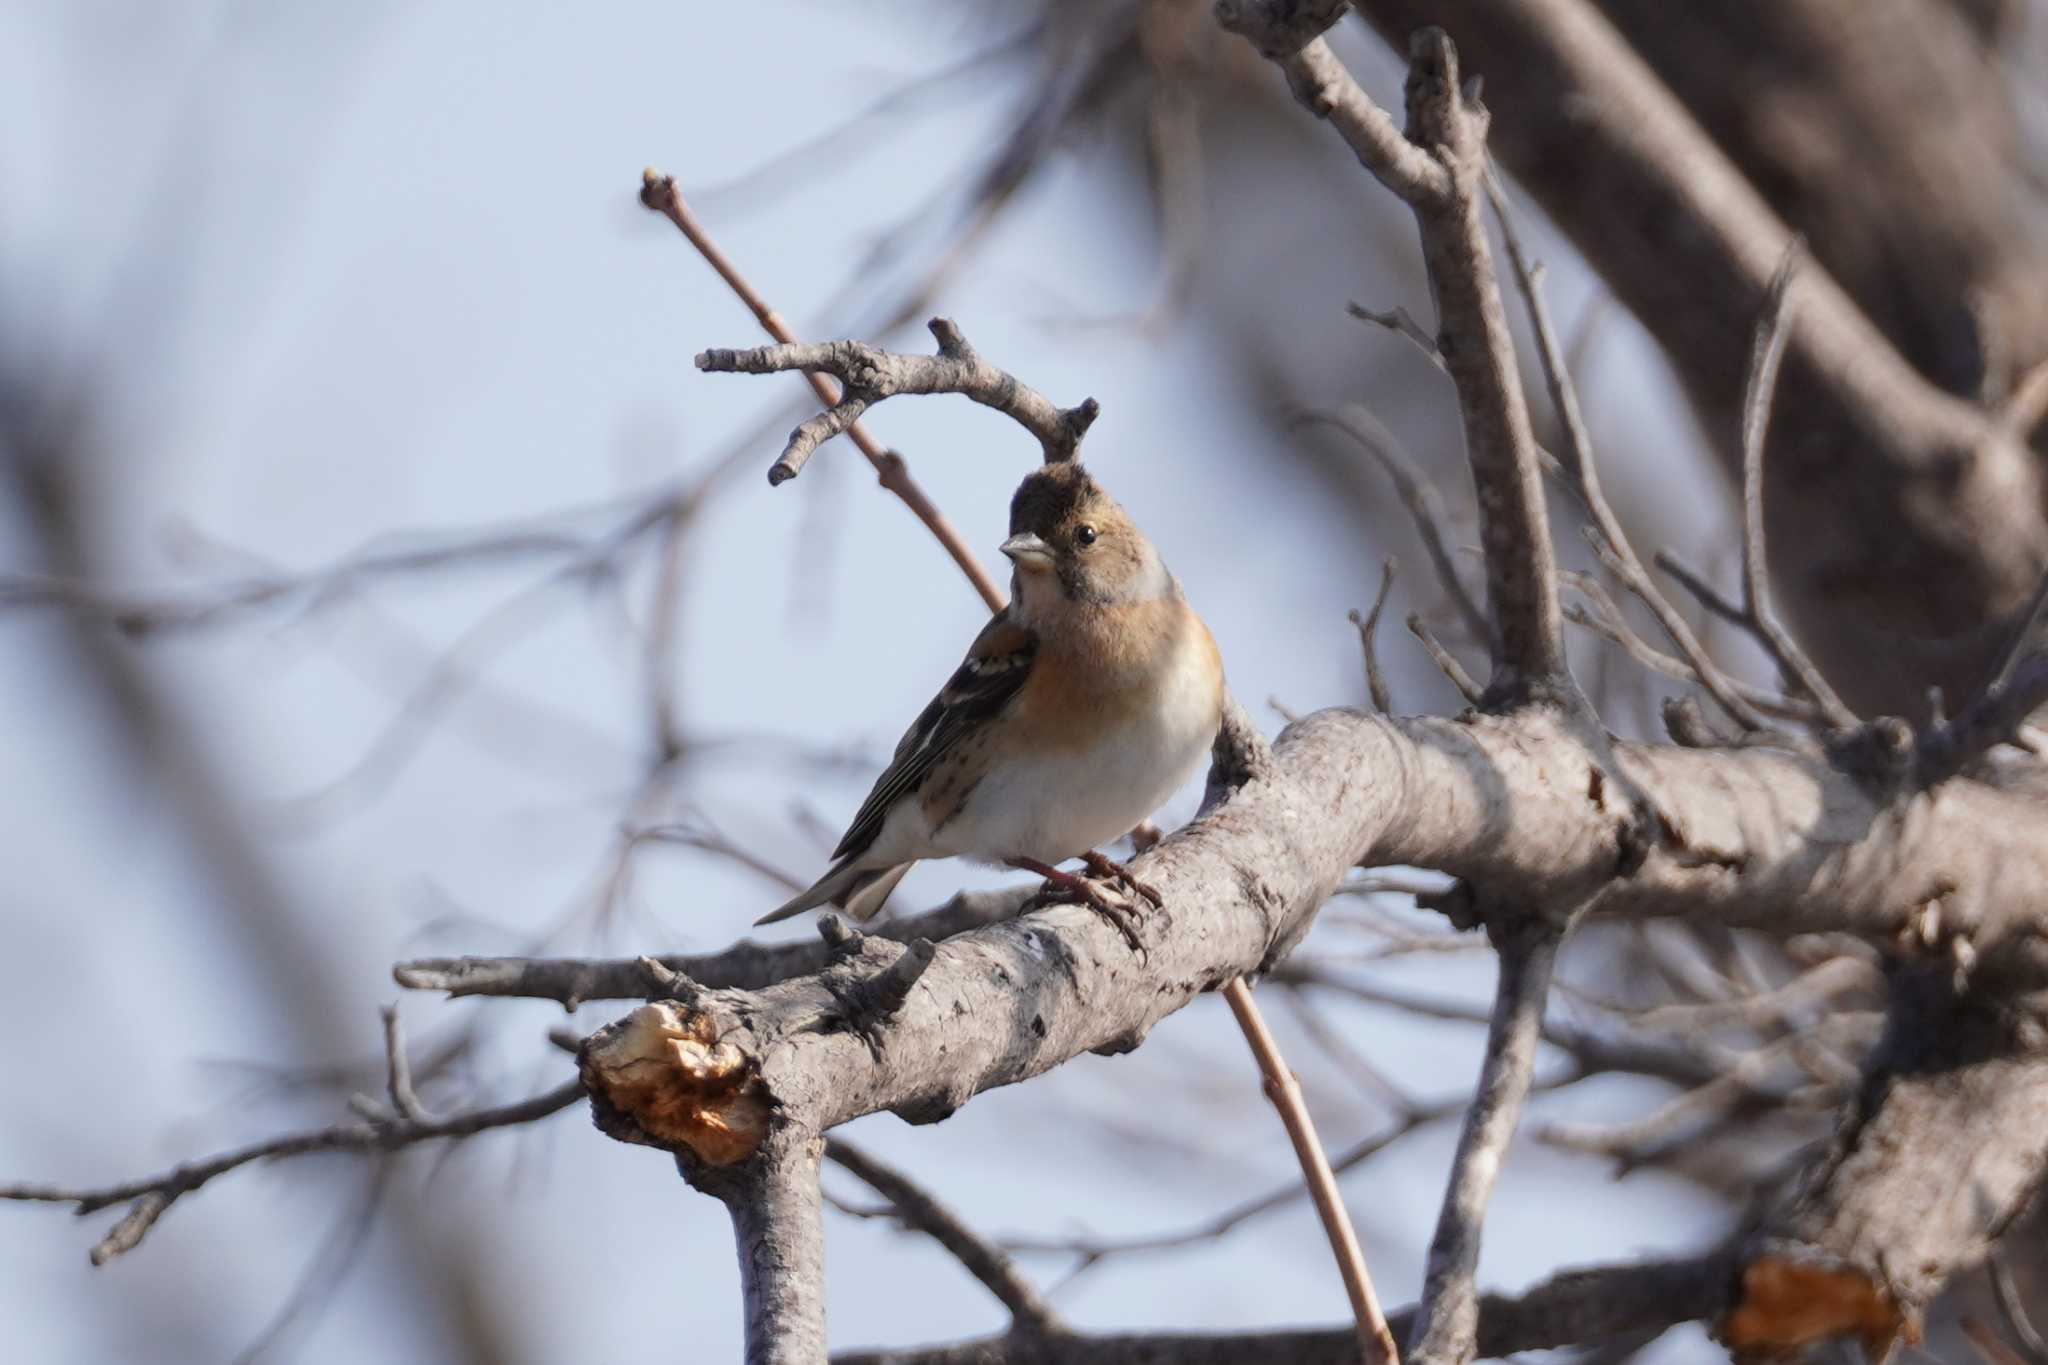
[(1050, 496)]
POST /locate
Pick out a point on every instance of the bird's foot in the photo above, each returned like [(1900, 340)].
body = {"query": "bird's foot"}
[(1109, 869), (1065, 888)]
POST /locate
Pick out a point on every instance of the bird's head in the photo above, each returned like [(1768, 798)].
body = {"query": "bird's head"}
[(1071, 541)]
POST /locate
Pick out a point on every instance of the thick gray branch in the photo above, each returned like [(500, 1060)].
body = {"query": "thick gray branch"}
[(1757, 838), (778, 1224)]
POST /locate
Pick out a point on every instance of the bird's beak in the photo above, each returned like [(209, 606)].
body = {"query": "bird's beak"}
[(1028, 552)]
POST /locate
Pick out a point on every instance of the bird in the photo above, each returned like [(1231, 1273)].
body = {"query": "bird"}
[(1080, 707)]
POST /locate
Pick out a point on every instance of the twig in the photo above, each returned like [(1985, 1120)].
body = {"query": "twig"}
[(1610, 541), (1401, 322), (659, 192), (1368, 628), (1285, 1092), (983, 1260), (747, 964), (1425, 509), (1471, 691), (1447, 1322), (149, 1198), (1606, 621), (1768, 350), (398, 1071), (871, 374)]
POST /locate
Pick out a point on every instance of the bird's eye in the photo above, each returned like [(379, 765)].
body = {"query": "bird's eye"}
[(1084, 535)]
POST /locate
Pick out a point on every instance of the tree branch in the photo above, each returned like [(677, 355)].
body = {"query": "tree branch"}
[(746, 964), (1446, 1330), (151, 1197), (1515, 807), (1437, 168), (778, 1225), (872, 374)]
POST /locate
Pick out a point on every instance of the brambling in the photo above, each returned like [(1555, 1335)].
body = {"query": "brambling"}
[(1081, 706)]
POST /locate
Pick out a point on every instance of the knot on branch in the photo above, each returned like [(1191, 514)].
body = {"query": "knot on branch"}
[(870, 977), (1791, 1299), (1240, 756), (662, 1077), (1279, 28)]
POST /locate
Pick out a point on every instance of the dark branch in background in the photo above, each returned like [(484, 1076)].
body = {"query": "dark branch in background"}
[(1921, 529), (871, 374), (1594, 1304), (660, 193), (403, 1125), (1425, 508), (917, 1209)]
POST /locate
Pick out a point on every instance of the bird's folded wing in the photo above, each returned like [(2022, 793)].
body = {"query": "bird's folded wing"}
[(995, 668)]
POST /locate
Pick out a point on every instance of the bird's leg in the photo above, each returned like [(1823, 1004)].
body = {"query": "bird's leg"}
[(1080, 889), (1104, 866)]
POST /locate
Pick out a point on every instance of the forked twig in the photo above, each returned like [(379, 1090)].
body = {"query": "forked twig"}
[(1368, 631)]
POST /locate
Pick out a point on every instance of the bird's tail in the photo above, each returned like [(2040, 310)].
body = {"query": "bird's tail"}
[(859, 891)]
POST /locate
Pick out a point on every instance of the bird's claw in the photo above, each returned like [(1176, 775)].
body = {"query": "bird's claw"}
[(1109, 869), (1067, 889)]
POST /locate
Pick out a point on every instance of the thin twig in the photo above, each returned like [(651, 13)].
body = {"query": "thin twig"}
[(1368, 630), (1609, 540), (405, 1102), (1425, 509), (1471, 691), (1401, 322), (150, 1197), (1773, 329), (659, 192), (983, 1260), (1285, 1093)]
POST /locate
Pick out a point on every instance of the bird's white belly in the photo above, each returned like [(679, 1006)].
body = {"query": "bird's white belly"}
[(1057, 805)]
